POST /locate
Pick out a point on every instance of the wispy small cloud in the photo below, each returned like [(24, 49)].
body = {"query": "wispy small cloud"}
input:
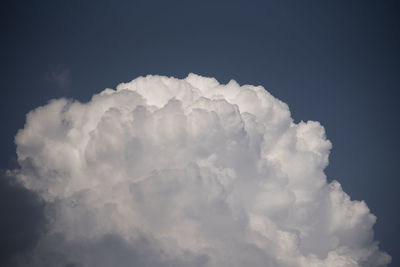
[(60, 76)]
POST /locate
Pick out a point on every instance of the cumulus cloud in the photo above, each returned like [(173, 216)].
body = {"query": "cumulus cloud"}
[(187, 172)]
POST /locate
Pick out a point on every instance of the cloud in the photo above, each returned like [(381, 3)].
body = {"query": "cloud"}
[(171, 172), (61, 77)]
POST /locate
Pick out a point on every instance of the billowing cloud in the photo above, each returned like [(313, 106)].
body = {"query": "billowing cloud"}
[(171, 172)]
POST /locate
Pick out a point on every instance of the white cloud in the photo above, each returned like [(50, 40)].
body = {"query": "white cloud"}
[(170, 172)]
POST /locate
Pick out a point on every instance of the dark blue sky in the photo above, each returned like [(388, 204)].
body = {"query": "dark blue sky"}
[(337, 62)]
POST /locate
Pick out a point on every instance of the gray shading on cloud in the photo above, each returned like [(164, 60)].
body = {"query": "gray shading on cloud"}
[(23, 219), (187, 172)]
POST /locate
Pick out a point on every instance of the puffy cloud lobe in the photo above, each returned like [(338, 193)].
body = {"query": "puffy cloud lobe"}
[(171, 172)]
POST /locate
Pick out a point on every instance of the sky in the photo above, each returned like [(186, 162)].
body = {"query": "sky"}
[(336, 62)]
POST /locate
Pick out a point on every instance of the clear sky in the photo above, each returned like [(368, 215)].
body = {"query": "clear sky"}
[(336, 62)]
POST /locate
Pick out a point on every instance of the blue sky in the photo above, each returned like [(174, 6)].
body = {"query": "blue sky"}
[(336, 62)]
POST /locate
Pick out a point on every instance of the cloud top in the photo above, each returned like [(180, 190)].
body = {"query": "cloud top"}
[(187, 172)]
